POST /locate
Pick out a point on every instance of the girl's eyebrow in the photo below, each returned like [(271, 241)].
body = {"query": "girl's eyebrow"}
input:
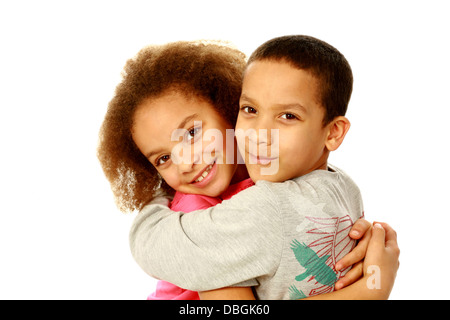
[(151, 153), (180, 126), (186, 120)]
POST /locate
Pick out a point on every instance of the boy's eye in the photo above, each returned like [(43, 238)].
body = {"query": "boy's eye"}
[(162, 160), (248, 109), (289, 116)]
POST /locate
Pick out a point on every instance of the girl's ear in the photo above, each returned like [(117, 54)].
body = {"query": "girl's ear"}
[(337, 129)]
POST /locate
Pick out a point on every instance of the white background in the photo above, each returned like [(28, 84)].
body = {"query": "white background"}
[(61, 236)]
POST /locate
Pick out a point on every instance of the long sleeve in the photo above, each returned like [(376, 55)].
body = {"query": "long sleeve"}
[(233, 242)]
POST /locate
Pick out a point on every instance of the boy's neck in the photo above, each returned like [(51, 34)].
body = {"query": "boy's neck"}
[(323, 166), (322, 163)]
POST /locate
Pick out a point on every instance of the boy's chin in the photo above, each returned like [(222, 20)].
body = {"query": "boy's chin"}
[(257, 173)]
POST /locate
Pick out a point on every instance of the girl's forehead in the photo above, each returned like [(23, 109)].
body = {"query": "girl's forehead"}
[(173, 110), (157, 119)]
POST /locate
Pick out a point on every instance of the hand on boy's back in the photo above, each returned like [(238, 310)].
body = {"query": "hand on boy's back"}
[(361, 231), (161, 197)]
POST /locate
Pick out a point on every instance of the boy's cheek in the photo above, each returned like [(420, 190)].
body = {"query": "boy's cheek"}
[(240, 141)]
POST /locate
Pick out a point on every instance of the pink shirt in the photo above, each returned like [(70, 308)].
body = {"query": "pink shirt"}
[(186, 203)]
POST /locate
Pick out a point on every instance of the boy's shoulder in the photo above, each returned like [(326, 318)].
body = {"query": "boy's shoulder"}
[(333, 177), (318, 183)]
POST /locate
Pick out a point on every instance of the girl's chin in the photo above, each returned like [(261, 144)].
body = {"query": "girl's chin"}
[(214, 190)]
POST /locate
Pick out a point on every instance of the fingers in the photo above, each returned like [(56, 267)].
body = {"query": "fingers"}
[(391, 239), (360, 227), (357, 254), (351, 276), (391, 235), (378, 240)]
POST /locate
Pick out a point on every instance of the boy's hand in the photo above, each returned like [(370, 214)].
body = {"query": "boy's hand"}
[(362, 229)]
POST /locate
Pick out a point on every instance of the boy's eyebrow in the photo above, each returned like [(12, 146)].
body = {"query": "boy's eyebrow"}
[(291, 105), (278, 105), (244, 97), (180, 126)]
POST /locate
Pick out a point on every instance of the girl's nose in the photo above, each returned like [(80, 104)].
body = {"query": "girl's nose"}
[(186, 164)]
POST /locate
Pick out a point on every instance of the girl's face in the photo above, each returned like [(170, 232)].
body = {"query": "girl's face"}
[(185, 139)]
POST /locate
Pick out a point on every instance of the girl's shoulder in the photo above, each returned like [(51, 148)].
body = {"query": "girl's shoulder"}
[(236, 188), (187, 202)]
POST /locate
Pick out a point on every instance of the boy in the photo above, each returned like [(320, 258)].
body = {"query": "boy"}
[(285, 234)]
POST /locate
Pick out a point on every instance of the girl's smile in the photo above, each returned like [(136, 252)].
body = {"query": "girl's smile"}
[(205, 176)]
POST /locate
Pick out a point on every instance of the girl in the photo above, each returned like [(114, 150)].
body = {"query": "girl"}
[(192, 89), (165, 88)]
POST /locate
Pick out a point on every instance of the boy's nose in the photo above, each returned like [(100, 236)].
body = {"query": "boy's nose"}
[(264, 131), (261, 136), (264, 141)]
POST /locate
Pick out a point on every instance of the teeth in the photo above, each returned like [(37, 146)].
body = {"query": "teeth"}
[(204, 174)]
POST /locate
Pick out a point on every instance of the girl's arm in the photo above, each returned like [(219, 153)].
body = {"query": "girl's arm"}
[(168, 245), (361, 230), (380, 269), (230, 293)]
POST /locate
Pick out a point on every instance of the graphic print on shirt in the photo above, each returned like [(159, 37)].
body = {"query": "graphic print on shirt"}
[(319, 257)]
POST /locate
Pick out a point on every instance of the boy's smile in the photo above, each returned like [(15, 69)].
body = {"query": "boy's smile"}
[(280, 99)]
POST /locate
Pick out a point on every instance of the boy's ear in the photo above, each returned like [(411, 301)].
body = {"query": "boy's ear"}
[(337, 129)]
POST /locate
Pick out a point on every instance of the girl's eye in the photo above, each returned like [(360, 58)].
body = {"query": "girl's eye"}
[(192, 133), (248, 109), (162, 160), (289, 116)]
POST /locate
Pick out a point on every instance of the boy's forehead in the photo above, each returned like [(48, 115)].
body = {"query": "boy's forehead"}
[(280, 68), (277, 62), (279, 77)]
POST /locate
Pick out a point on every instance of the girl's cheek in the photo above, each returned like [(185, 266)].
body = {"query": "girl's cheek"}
[(171, 179), (212, 149)]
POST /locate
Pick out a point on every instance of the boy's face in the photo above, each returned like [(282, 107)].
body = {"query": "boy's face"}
[(184, 138), (277, 96)]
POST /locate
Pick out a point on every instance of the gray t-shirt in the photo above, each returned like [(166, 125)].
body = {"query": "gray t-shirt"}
[(282, 238)]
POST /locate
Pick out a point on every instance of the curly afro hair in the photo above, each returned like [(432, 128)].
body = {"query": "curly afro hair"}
[(209, 70)]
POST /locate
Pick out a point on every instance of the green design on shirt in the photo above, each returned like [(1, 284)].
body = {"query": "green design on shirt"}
[(315, 266)]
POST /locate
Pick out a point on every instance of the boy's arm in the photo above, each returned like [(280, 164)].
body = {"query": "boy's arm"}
[(235, 241)]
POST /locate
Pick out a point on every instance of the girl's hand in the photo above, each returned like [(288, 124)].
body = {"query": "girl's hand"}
[(381, 262), (362, 229)]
